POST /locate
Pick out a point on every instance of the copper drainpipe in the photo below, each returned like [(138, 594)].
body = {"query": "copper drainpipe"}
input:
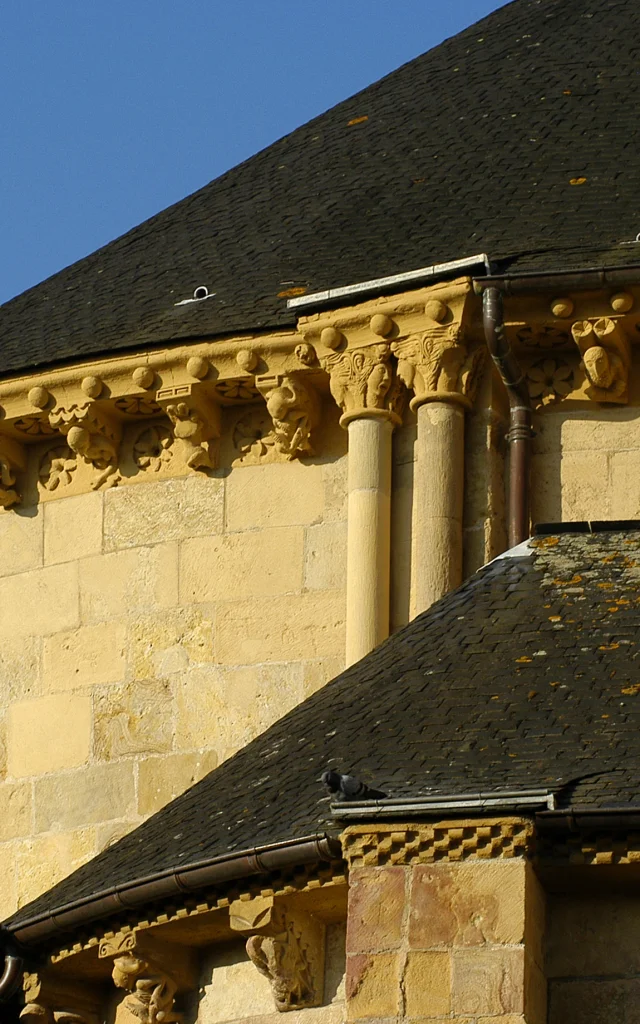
[(11, 978), (520, 416)]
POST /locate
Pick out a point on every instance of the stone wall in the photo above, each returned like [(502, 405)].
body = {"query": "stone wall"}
[(593, 958), (149, 631)]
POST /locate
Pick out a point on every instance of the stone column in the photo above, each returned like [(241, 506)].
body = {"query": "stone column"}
[(445, 921), (442, 372), (364, 385)]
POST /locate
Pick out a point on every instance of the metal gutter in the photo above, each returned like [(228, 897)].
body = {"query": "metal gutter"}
[(505, 801), (520, 433), (379, 284), (169, 884), (578, 819), (589, 278)]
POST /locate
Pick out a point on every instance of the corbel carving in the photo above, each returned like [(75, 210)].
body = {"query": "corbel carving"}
[(151, 972), (287, 947), (49, 1000), (606, 358), (363, 382), (437, 365), (195, 421), (294, 410), (93, 435), (12, 460)]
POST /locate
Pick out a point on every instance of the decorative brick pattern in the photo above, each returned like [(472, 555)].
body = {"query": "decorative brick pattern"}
[(366, 846)]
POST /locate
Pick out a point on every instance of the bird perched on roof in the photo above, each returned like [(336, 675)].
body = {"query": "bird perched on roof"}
[(347, 787)]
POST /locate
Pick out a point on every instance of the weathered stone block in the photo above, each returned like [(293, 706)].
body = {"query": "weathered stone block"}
[(592, 936), (260, 564), (164, 642), (318, 673), (488, 981), (160, 779), (325, 556), (94, 795), (113, 586), (372, 985), (280, 494), (467, 904), (21, 541), (596, 1001), (45, 860), (334, 481), (376, 909), (88, 656), (427, 984), (39, 602), (15, 810), (20, 658), (167, 510), (137, 718), (8, 889), (310, 625), (48, 734), (72, 528)]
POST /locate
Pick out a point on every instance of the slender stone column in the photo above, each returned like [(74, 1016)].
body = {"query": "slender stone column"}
[(364, 384), (439, 490), (442, 372), (369, 517)]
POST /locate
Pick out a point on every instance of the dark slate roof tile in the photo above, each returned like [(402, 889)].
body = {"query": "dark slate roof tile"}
[(469, 148)]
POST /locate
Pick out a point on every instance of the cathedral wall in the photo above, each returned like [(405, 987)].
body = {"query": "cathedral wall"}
[(593, 958), (147, 632)]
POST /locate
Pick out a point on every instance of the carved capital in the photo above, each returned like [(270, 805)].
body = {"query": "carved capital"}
[(195, 420), (151, 973), (437, 365), (606, 358), (364, 383), (49, 1000), (93, 434), (287, 947), (12, 460), (294, 410)]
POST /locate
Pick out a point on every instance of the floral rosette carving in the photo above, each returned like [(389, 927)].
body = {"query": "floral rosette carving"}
[(152, 448), (549, 380), (57, 467)]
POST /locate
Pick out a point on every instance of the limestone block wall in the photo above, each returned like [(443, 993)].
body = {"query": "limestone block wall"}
[(593, 957), (586, 463), (146, 633)]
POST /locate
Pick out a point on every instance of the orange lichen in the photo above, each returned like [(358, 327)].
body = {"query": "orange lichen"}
[(609, 647), (555, 618), (631, 691), (577, 181), (357, 120), (523, 659), (291, 293)]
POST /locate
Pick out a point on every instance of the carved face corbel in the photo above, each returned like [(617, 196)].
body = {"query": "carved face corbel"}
[(12, 461), (606, 358), (93, 435), (151, 972), (294, 409), (49, 1000), (196, 421), (287, 946)]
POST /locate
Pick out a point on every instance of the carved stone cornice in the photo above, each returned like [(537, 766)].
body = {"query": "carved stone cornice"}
[(151, 972), (438, 366), (93, 435), (421, 843), (49, 1000), (287, 946), (606, 358), (294, 409), (196, 421), (12, 461)]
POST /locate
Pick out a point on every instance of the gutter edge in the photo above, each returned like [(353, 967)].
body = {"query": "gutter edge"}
[(163, 885)]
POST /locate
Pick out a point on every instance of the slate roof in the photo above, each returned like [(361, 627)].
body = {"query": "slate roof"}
[(470, 148), (527, 676)]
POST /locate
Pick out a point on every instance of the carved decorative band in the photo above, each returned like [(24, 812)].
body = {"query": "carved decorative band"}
[(379, 846), (590, 849)]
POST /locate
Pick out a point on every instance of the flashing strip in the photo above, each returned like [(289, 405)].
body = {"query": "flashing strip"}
[(506, 802), (380, 283)]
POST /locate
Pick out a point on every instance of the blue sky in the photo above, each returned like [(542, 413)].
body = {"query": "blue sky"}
[(112, 111)]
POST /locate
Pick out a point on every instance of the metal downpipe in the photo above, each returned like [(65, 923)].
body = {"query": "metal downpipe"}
[(11, 975), (520, 416)]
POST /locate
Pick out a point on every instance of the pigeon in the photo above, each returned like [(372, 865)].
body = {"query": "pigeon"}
[(347, 787)]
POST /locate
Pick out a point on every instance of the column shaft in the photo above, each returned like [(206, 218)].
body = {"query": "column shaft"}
[(368, 545), (438, 494)]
